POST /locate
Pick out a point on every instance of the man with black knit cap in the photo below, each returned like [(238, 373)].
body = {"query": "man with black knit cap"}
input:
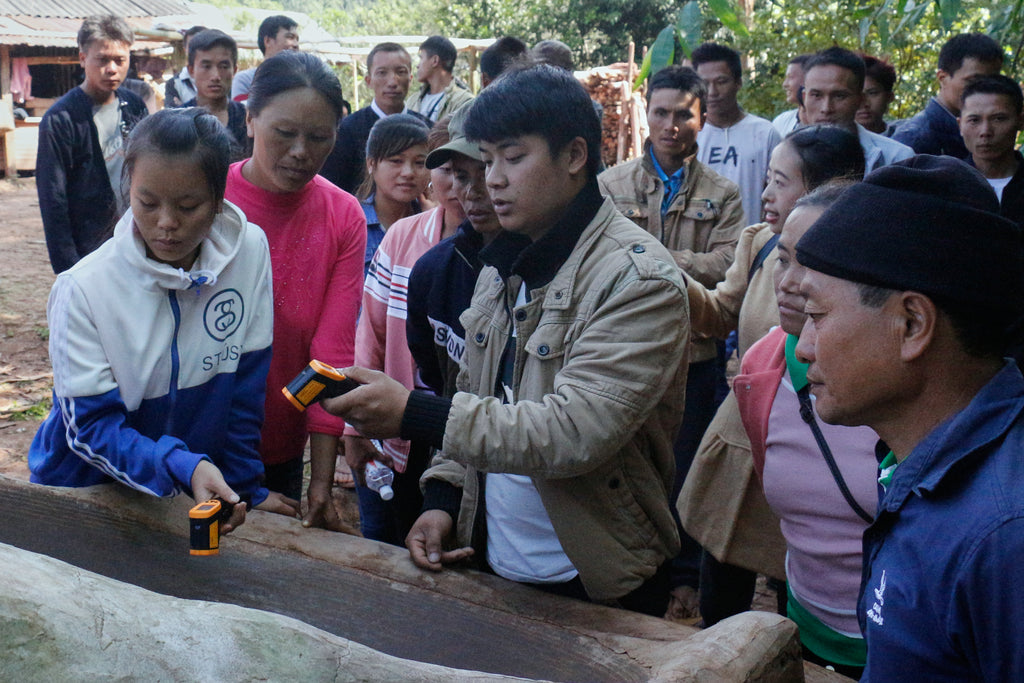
[(914, 293)]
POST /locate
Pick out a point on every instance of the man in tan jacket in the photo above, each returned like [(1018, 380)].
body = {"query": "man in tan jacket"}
[(698, 215), (556, 456), (440, 93)]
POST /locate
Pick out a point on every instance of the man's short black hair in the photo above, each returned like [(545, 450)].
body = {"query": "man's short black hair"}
[(841, 57), (189, 32), (209, 39), (679, 78), (537, 100), (501, 55), (714, 52), (439, 46), (995, 85), (384, 47), (882, 71), (555, 53), (966, 46), (270, 27), (104, 27)]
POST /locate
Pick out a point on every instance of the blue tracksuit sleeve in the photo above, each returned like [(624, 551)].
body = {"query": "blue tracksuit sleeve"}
[(98, 442), (89, 431), (240, 461)]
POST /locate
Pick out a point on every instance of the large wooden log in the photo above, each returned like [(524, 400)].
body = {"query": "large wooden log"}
[(62, 623), (371, 593)]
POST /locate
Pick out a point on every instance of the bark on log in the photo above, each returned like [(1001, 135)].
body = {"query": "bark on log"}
[(458, 618)]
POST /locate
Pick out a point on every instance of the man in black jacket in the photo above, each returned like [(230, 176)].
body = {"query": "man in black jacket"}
[(388, 73), (81, 145), (991, 116)]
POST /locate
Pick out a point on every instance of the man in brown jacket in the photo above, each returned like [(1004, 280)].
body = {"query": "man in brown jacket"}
[(698, 215), (556, 454)]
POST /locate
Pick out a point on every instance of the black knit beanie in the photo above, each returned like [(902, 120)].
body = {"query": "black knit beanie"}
[(928, 224)]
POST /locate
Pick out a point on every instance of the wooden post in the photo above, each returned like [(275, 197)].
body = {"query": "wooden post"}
[(5, 69), (7, 167), (626, 93), (474, 74), (631, 73), (355, 84)]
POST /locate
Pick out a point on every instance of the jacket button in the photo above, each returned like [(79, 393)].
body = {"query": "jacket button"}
[(558, 295), (614, 483), (639, 249), (543, 349), (479, 337), (700, 214), (520, 315)]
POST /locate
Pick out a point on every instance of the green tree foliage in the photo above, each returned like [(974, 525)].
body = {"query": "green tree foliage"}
[(598, 31), (380, 17), (907, 33)]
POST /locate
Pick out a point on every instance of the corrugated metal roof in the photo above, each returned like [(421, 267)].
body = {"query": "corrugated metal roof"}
[(53, 31), (79, 9)]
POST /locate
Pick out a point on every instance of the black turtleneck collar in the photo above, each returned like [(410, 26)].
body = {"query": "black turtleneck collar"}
[(537, 262)]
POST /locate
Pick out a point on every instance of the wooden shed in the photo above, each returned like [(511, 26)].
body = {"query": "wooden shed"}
[(38, 39)]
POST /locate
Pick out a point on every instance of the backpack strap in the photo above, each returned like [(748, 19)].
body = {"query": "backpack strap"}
[(807, 415), (762, 254)]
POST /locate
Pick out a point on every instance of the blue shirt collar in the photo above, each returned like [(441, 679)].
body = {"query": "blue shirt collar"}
[(672, 183), (988, 416)]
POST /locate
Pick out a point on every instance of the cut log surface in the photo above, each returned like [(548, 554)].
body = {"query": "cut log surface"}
[(347, 590)]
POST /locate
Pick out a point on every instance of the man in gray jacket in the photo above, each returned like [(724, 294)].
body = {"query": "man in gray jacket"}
[(556, 461)]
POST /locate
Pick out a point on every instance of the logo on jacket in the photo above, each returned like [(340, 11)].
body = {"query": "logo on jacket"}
[(875, 613), (223, 314)]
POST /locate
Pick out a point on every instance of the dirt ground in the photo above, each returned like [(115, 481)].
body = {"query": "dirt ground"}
[(25, 280)]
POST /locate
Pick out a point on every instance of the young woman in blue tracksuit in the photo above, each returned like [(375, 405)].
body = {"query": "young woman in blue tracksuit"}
[(160, 339)]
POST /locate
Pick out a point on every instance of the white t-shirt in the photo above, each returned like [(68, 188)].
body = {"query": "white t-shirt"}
[(999, 184), (430, 105), (786, 122), (740, 153), (241, 83), (521, 542), (107, 118)]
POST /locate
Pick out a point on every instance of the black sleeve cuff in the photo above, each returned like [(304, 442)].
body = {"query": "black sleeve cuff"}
[(440, 495), (425, 418)]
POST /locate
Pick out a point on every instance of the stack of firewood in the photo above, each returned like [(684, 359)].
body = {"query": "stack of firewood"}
[(624, 127)]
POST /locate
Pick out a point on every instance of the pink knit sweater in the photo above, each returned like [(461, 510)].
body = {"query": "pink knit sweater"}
[(317, 238), (380, 336)]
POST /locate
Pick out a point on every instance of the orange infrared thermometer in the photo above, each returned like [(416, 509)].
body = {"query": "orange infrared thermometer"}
[(317, 381), (204, 526)]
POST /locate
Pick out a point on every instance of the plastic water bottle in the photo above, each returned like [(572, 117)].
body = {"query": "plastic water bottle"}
[(379, 478)]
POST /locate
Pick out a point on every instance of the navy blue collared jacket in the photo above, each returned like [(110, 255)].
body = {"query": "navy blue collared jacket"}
[(943, 587)]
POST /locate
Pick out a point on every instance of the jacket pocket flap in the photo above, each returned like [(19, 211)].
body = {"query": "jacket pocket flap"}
[(547, 342), (632, 211), (701, 210)]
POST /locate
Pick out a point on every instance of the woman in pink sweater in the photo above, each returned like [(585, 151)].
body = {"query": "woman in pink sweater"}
[(819, 479), (381, 345), (317, 235)]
